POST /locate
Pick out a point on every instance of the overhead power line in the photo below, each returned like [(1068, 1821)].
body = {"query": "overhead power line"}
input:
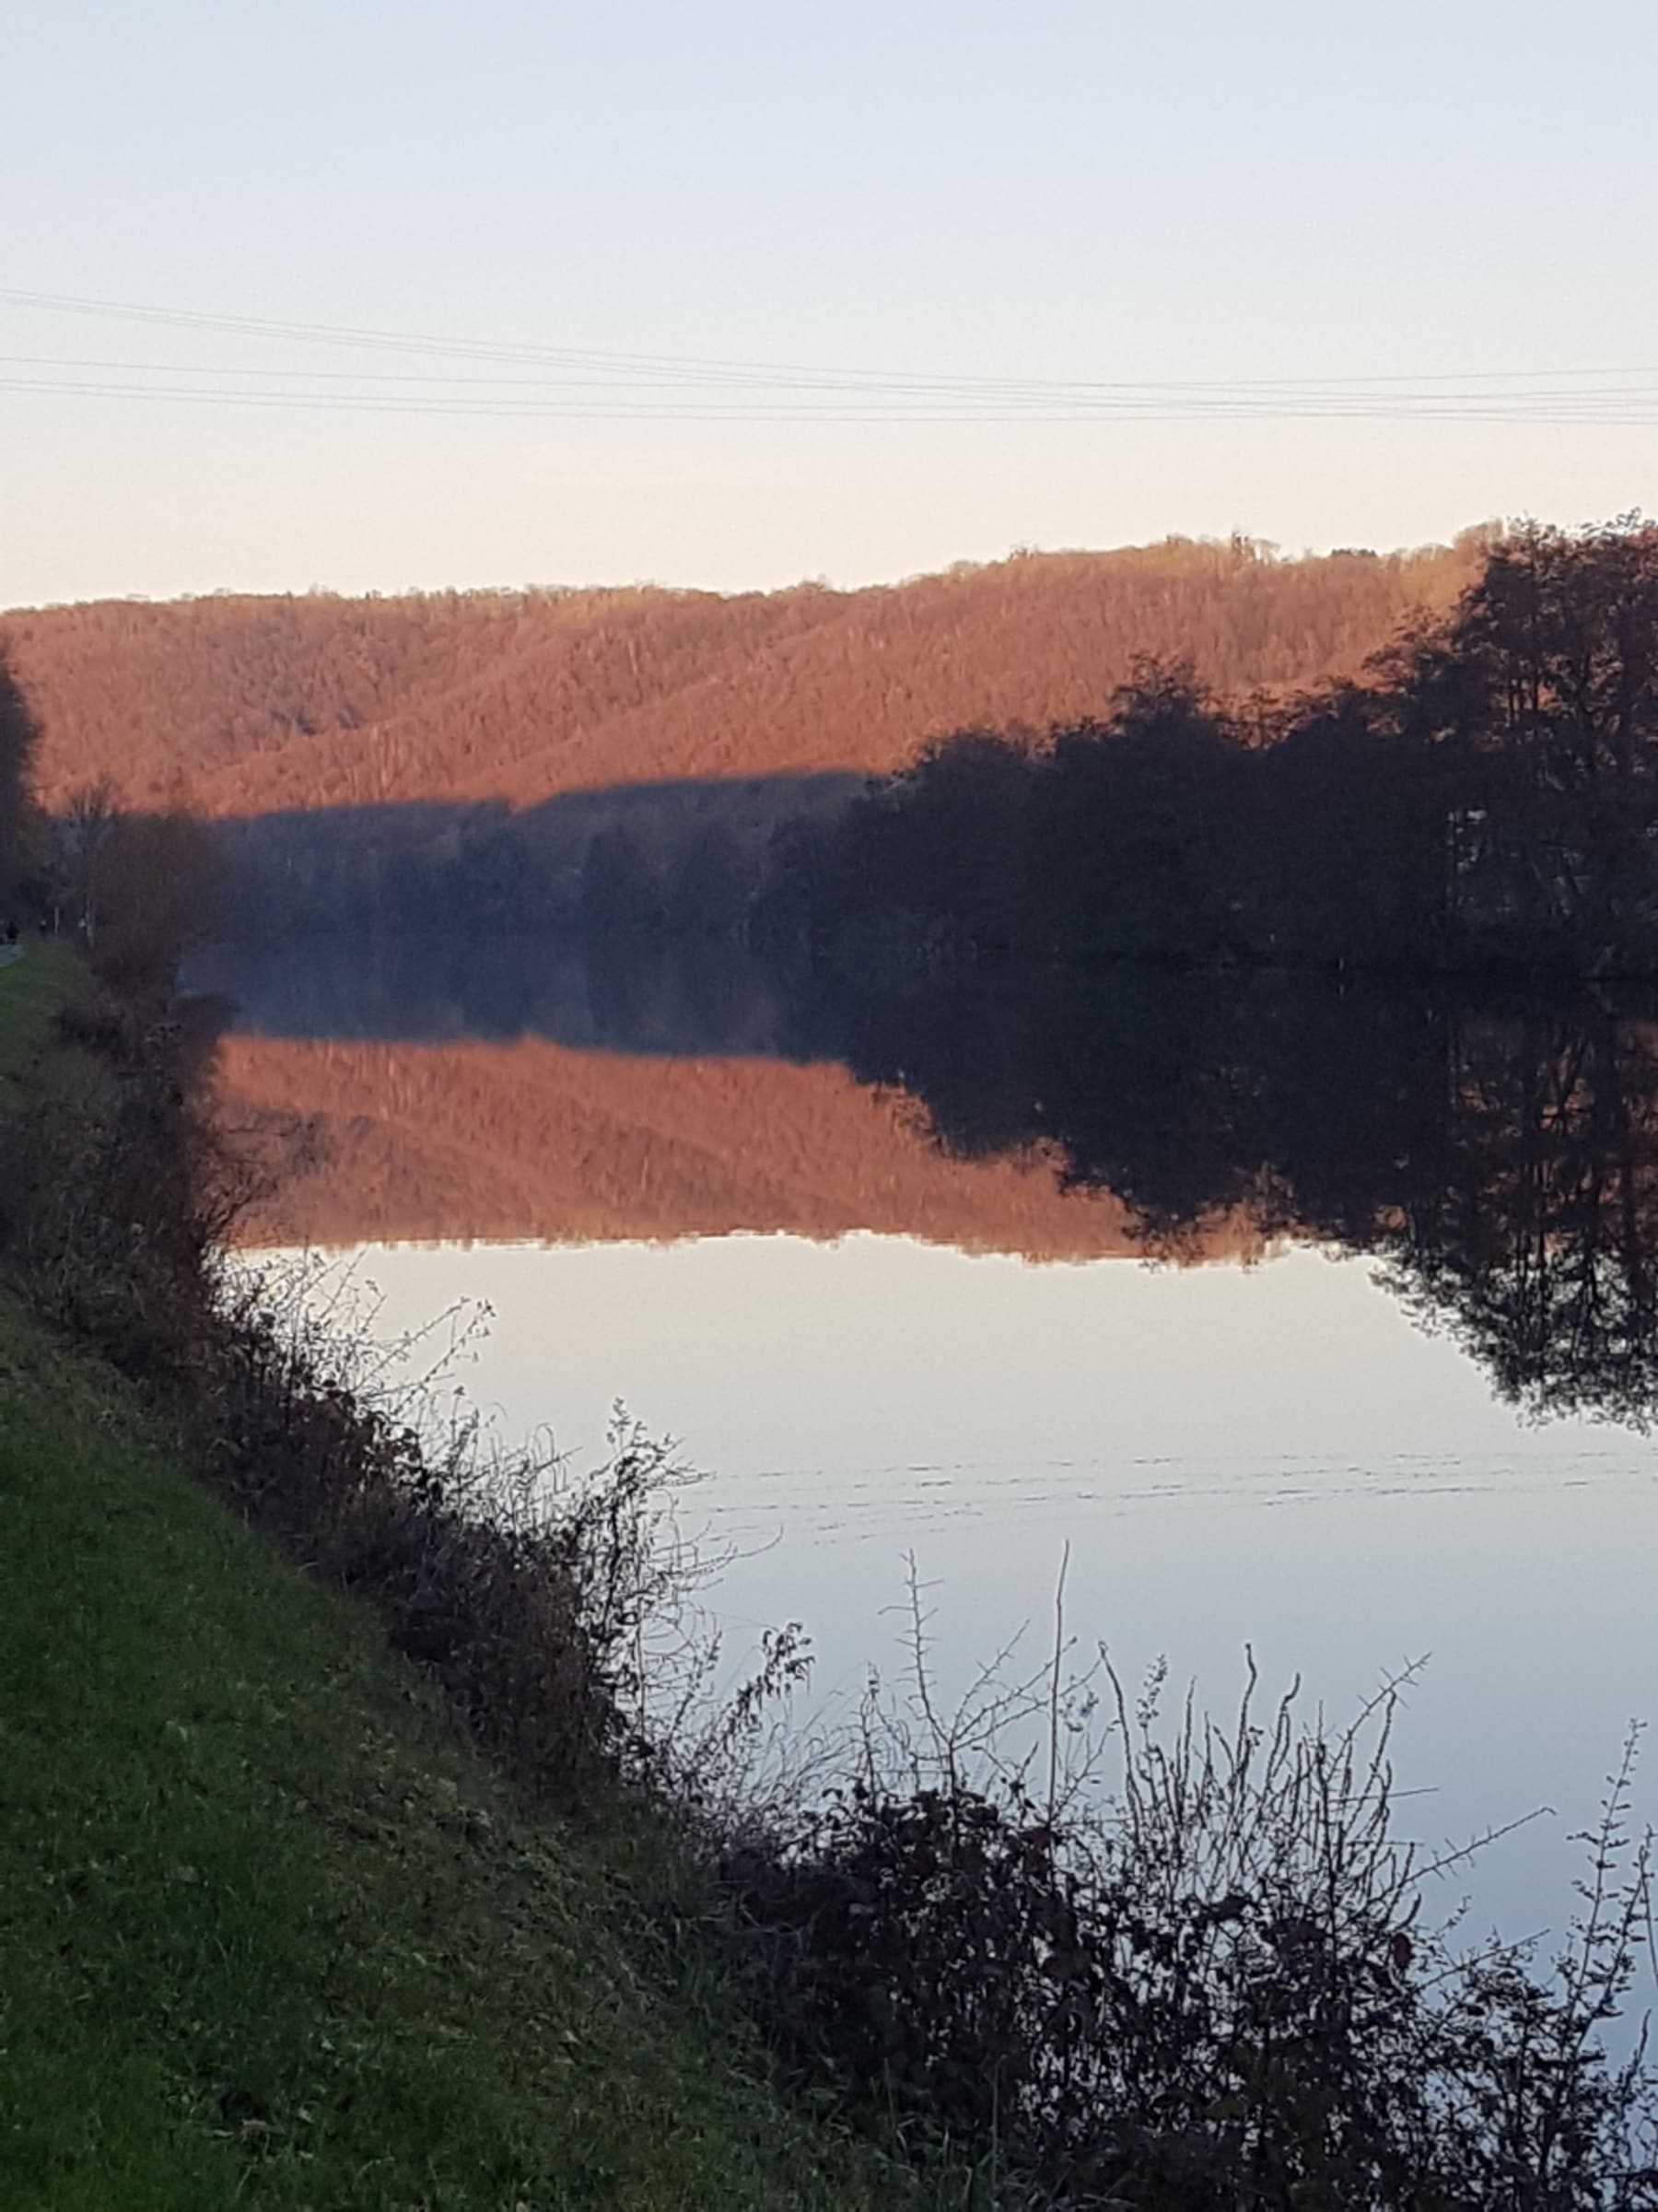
[(568, 383), (579, 410)]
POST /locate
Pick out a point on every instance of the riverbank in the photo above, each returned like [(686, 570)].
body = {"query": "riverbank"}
[(345, 1858), (269, 1934)]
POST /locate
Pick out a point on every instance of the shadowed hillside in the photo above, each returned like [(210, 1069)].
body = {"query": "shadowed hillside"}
[(241, 706)]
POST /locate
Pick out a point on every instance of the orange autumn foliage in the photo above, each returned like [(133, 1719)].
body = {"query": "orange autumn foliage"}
[(234, 705)]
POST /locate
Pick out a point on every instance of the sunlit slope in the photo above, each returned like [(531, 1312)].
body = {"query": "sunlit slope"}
[(530, 1141), (244, 704)]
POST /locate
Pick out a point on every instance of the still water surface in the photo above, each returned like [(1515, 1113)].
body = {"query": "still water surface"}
[(1377, 1397)]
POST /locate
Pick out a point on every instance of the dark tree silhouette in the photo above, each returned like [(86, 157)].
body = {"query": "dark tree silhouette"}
[(22, 856), (1487, 798), (1543, 692)]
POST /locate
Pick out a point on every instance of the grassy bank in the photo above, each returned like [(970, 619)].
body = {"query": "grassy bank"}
[(268, 1933), (31, 991)]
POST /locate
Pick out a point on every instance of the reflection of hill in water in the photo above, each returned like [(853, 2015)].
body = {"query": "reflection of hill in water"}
[(534, 1141), (502, 1088), (1499, 1158)]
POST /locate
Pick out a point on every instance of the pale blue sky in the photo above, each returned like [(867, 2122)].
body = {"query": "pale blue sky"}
[(1048, 193)]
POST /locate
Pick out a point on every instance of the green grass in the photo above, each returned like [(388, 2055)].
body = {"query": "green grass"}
[(31, 991), (268, 1935)]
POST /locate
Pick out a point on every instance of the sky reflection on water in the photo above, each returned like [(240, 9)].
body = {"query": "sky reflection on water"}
[(1275, 1457)]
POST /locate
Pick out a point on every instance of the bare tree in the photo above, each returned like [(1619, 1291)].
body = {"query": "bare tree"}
[(87, 827)]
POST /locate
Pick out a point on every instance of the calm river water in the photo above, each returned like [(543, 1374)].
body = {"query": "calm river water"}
[(1317, 1324)]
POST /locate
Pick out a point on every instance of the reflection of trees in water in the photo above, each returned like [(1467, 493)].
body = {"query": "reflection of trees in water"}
[(1500, 1160), (1535, 1243), (619, 992)]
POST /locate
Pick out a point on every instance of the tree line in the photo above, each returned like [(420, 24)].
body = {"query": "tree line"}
[(1484, 797)]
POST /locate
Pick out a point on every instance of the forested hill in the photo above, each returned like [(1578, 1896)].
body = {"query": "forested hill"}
[(242, 706)]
